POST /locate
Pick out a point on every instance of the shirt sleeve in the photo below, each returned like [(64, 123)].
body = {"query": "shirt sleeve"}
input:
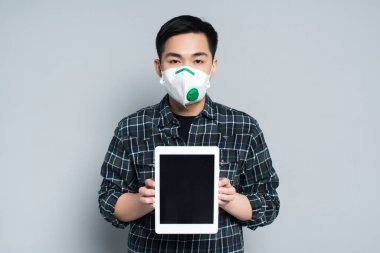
[(119, 176), (259, 182)]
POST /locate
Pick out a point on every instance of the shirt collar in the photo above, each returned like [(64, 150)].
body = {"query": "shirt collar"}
[(166, 113)]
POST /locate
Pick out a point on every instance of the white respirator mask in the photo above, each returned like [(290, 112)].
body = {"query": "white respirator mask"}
[(185, 84)]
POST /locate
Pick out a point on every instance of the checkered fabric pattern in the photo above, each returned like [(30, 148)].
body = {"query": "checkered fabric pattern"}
[(244, 160)]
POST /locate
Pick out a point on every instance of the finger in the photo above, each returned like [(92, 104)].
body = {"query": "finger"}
[(145, 200), (225, 197), (150, 183), (148, 192), (224, 181), (227, 190), (222, 203)]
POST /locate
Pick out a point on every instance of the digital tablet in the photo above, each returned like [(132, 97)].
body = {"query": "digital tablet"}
[(186, 191)]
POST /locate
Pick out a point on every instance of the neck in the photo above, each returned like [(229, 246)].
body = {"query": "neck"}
[(189, 110)]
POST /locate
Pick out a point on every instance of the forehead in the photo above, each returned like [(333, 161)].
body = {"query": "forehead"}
[(187, 44)]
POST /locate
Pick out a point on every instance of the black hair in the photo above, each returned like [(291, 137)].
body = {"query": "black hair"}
[(186, 24)]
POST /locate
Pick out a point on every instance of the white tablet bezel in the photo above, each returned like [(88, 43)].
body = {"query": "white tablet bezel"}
[(186, 228)]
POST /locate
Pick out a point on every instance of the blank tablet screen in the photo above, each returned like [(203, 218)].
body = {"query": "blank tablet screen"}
[(186, 189)]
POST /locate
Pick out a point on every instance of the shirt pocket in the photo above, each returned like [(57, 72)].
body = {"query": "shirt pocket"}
[(144, 164), (229, 165)]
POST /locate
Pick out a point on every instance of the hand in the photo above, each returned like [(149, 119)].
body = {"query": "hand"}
[(147, 193), (227, 192)]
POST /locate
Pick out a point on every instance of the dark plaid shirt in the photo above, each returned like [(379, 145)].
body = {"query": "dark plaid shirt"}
[(244, 159)]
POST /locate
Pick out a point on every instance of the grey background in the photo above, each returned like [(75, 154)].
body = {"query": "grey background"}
[(308, 71)]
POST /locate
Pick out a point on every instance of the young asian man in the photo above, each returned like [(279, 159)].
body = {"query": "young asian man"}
[(186, 47)]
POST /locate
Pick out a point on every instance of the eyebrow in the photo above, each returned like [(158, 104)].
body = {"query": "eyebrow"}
[(200, 54), (180, 56)]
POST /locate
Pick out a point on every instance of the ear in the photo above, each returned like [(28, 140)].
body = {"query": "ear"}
[(157, 67), (214, 67)]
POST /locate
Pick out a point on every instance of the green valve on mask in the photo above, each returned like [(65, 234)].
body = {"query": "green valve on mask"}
[(192, 95)]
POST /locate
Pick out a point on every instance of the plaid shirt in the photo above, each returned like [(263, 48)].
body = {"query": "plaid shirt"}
[(244, 159)]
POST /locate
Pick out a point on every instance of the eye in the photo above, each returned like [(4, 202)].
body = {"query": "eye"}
[(173, 61), (199, 61)]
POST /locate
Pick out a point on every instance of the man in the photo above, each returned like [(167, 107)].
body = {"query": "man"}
[(186, 48)]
